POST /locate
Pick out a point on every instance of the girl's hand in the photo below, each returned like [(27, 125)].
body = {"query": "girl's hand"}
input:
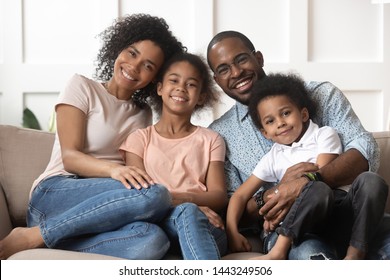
[(131, 176), (238, 243), (213, 217)]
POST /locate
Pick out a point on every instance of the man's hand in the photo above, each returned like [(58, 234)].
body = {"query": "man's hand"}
[(279, 201), (297, 170), (283, 202)]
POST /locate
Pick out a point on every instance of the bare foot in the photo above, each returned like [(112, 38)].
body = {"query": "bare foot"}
[(20, 239), (279, 251), (354, 254)]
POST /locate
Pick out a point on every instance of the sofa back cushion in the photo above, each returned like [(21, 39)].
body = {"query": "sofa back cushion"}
[(24, 154), (383, 139)]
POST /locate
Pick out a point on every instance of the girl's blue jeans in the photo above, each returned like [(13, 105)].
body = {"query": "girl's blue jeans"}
[(189, 228), (99, 215)]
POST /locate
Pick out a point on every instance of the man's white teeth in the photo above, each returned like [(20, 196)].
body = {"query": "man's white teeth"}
[(127, 76), (242, 83)]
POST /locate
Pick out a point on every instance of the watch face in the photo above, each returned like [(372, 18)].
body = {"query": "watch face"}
[(259, 199)]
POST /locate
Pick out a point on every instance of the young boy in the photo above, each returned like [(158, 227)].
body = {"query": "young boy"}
[(281, 109)]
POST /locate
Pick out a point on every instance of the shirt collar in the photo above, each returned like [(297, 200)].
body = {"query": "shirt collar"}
[(242, 110), (310, 130)]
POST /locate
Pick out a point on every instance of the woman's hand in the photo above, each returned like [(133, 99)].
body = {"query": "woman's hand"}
[(131, 176), (213, 217)]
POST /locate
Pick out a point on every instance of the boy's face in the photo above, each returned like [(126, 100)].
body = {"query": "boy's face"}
[(180, 88), (282, 121)]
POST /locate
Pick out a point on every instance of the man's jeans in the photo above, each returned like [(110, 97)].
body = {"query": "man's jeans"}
[(357, 219), (307, 216), (99, 215)]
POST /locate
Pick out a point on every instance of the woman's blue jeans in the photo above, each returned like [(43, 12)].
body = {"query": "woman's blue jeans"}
[(99, 215), (188, 227)]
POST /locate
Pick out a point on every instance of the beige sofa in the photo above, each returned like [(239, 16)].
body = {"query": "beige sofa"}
[(24, 154)]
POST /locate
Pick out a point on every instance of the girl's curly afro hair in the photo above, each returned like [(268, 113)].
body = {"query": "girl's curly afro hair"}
[(209, 94), (127, 31)]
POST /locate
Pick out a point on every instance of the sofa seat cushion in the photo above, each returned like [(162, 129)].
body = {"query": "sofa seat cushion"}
[(55, 254)]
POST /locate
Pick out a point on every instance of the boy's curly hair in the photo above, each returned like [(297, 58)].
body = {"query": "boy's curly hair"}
[(209, 94), (290, 85), (129, 30)]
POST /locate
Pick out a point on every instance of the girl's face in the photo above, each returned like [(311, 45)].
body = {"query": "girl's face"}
[(281, 119), (180, 88), (137, 65)]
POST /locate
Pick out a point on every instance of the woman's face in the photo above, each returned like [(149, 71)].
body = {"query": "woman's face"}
[(137, 65)]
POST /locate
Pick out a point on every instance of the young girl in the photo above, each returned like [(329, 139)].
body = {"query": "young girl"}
[(187, 159), (280, 109), (83, 201)]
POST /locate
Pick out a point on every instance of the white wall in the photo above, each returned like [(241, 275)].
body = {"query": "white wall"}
[(43, 42)]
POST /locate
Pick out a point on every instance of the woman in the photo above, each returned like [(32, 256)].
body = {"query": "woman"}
[(87, 200)]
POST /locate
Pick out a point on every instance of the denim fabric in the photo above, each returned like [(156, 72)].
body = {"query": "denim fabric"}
[(307, 217), (188, 226), (309, 213), (380, 246), (99, 215), (358, 218), (310, 247)]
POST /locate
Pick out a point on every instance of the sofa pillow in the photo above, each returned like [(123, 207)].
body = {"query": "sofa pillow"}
[(24, 154)]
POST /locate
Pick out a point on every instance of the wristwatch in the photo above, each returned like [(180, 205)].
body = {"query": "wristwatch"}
[(313, 176), (259, 198)]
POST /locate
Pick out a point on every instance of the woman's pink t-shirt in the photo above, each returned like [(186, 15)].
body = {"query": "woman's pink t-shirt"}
[(108, 122)]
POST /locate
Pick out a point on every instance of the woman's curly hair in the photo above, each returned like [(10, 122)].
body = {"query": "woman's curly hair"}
[(209, 94), (290, 85), (127, 31)]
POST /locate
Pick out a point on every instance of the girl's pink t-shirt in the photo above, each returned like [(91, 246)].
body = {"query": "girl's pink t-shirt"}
[(179, 164)]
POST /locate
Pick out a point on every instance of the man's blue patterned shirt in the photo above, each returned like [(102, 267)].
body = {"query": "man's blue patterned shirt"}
[(246, 145)]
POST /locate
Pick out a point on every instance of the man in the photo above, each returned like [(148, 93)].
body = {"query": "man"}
[(237, 65)]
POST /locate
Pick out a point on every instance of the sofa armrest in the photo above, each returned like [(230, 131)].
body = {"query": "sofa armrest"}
[(5, 221)]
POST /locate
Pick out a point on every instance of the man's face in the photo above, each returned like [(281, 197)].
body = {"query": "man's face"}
[(235, 68)]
